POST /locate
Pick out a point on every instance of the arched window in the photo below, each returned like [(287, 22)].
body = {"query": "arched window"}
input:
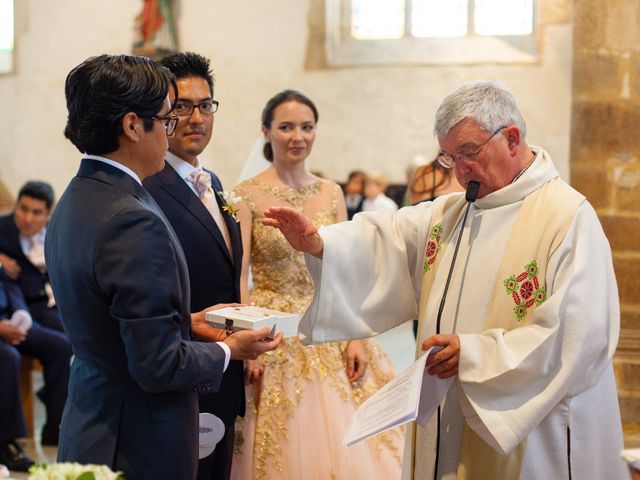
[(430, 31)]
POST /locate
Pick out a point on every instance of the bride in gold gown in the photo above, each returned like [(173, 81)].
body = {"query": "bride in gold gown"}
[(301, 398)]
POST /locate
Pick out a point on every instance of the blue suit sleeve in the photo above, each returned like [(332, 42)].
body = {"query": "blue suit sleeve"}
[(14, 296), (138, 268)]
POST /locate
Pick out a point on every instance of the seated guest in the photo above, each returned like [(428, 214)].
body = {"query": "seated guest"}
[(22, 245), (353, 193), (18, 336), (428, 182), (375, 200)]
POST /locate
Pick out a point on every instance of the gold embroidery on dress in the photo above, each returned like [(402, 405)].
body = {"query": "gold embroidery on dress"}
[(281, 282)]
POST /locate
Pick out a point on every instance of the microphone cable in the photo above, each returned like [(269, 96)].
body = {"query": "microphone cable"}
[(471, 195)]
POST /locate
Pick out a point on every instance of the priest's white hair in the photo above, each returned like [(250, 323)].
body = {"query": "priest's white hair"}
[(488, 102)]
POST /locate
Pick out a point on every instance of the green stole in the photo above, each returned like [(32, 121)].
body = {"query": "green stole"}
[(540, 227)]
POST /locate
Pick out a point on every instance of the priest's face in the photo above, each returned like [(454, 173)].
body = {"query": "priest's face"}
[(480, 156)]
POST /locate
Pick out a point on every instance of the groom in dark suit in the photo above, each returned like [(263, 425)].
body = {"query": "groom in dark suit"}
[(191, 199), (122, 287)]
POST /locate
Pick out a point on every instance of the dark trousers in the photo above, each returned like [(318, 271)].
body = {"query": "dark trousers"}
[(46, 316), (53, 350)]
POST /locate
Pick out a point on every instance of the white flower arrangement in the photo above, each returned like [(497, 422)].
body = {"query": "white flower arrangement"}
[(73, 471), (229, 203)]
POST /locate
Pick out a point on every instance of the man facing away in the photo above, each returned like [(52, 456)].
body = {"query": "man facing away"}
[(531, 318), (122, 285), (22, 235), (190, 198)]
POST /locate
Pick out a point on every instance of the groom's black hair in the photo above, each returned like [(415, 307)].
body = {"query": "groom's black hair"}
[(103, 89), (189, 64)]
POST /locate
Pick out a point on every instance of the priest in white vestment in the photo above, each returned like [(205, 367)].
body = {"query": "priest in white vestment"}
[(530, 321)]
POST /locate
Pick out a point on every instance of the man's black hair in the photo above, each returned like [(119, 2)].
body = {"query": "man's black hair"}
[(101, 90), (189, 64), (38, 190)]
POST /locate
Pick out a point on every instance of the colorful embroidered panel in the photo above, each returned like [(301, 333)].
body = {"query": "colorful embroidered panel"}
[(525, 290), (433, 247)]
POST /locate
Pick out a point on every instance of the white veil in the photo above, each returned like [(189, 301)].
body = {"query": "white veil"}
[(256, 162)]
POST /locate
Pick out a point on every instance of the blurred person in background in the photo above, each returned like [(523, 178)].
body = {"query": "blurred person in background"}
[(375, 186)]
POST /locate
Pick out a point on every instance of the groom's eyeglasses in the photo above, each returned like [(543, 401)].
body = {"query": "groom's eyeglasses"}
[(185, 109), (169, 122)]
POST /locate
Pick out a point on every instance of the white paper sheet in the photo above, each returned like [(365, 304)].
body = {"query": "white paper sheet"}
[(632, 457), (413, 394)]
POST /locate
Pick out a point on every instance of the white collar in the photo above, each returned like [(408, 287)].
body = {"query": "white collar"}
[(115, 164), (182, 167)]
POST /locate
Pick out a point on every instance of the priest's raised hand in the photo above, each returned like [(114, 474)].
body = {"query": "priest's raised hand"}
[(296, 228)]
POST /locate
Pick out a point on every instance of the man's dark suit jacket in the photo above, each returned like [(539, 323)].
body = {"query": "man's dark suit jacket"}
[(214, 277), (121, 282), (31, 280)]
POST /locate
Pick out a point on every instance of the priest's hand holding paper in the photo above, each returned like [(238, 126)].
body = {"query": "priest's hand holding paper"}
[(443, 363), (296, 228)]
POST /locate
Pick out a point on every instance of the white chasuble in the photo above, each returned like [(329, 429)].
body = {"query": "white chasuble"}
[(535, 386)]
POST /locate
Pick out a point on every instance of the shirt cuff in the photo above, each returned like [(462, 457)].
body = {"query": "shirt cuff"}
[(227, 354)]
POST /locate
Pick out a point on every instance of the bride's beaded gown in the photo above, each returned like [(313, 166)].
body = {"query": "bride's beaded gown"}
[(296, 420)]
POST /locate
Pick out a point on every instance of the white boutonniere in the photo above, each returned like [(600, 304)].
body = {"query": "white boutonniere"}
[(229, 203), (73, 471)]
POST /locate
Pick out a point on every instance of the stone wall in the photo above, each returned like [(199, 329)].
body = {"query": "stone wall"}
[(371, 117), (605, 162)]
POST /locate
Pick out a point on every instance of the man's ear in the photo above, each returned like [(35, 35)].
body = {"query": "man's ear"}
[(132, 126), (513, 138)]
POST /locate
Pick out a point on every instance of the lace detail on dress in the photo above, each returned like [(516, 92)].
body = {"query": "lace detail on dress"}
[(281, 281)]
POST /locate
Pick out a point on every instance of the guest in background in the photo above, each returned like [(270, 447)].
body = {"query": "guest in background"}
[(22, 235), (428, 182), (299, 411), (375, 200), (354, 192), (20, 336)]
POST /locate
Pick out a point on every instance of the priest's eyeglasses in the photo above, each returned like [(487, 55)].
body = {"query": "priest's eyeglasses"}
[(448, 160), (169, 122), (185, 109)]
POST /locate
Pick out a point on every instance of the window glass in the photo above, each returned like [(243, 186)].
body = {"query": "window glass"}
[(6, 36), (377, 19), (435, 18), (503, 17)]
